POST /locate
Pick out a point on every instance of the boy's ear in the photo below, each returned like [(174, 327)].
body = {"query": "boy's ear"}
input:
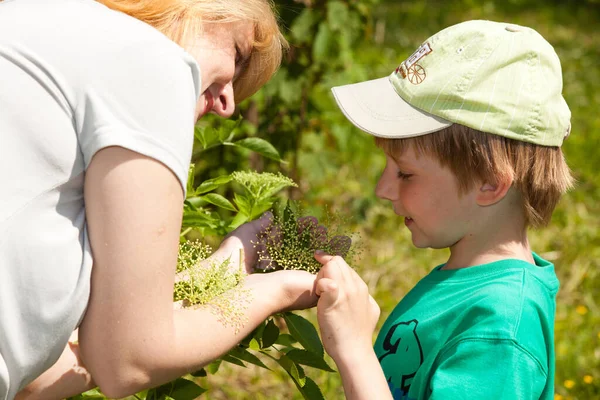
[(491, 193)]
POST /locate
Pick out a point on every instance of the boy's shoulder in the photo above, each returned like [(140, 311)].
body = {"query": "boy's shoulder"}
[(507, 300), (507, 297)]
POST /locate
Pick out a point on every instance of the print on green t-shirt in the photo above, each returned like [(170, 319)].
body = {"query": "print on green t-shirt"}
[(401, 340)]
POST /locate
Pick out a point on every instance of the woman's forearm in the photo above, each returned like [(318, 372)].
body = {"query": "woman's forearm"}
[(194, 338)]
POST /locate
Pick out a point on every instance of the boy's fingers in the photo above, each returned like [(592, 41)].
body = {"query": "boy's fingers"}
[(335, 268), (323, 257), (327, 289)]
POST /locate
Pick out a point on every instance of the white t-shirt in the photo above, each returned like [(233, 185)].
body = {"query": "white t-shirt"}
[(75, 77)]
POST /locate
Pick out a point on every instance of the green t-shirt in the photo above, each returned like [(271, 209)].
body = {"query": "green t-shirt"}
[(483, 332)]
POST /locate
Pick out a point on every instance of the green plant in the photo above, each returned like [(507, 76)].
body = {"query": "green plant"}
[(291, 242), (217, 284)]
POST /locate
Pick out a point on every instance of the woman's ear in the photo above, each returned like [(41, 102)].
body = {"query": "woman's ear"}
[(492, 193)]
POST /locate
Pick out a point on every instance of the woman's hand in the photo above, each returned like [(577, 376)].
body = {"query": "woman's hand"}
[(67, 377), (347, 314), (297, 288), (241, 244)]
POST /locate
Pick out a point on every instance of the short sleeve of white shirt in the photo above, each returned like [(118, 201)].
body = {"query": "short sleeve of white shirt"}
[(142, 100)]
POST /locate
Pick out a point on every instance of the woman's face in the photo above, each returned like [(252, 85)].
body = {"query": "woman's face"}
[(222, 52)]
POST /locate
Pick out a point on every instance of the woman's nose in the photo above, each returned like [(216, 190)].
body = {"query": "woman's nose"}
[(224, 103)]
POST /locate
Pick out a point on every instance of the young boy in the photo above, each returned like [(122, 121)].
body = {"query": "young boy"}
[(471, 125)]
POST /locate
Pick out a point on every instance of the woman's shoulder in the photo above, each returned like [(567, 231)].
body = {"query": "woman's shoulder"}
[(80, 25)]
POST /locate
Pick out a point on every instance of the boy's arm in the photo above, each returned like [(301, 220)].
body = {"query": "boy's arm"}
[(489, 369), (347, 317)]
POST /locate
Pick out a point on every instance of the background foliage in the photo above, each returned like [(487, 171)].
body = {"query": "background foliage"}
[(336, 42)]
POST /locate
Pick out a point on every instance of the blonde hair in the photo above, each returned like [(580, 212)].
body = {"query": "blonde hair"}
[(539, 173), (181, 21)]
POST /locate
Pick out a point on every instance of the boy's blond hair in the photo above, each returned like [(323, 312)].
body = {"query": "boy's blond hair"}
[(181, 21), (539, 173)]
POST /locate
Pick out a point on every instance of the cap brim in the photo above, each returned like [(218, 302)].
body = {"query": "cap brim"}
[(376, 108)]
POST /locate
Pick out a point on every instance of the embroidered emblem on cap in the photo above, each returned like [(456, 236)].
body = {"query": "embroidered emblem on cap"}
[(409, 69)]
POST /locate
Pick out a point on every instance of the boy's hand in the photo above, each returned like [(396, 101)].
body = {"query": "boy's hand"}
[(347, 314)]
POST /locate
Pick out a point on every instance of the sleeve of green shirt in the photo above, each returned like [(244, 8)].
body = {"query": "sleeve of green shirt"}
[(487, 369)]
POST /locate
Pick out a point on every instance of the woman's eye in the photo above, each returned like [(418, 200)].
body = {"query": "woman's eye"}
[(403, 176), (238, 55)]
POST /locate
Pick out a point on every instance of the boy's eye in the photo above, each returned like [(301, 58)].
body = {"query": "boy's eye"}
[(403, 176)]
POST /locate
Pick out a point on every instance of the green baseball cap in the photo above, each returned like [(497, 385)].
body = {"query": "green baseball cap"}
[(495, 77)]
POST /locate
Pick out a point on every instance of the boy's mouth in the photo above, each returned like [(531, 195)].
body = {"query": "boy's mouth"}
[(408, 221)]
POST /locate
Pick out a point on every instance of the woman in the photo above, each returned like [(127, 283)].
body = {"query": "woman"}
[(98, 107)]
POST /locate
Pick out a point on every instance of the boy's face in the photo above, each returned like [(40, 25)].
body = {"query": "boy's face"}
[(426, 194)]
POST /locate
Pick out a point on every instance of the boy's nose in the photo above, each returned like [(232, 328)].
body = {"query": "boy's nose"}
[(385, 188)]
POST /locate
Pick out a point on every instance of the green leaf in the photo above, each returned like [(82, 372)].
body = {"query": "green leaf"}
[(322, 44), (301, 29), (194, 203), (286, 339), (259, 146), (274, 190), (206, 136), (213, 367), (337, 15), (289, 215), (245, 355), (295, 371), (260, 207), (212, 184), (239, 219), (310, 390), (270, 334), (253, 336), (305, 332), (198, 219), (233, 360), (190, 180), (93, 394), (199, 374), (180, 389), (254, 345), (228, 129), (309, 359), (297, 374), (243, 204), (219, 201)]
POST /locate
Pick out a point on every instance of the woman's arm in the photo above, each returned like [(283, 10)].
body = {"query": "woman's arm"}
[(131, 338), (347, 317), (67, 377)]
